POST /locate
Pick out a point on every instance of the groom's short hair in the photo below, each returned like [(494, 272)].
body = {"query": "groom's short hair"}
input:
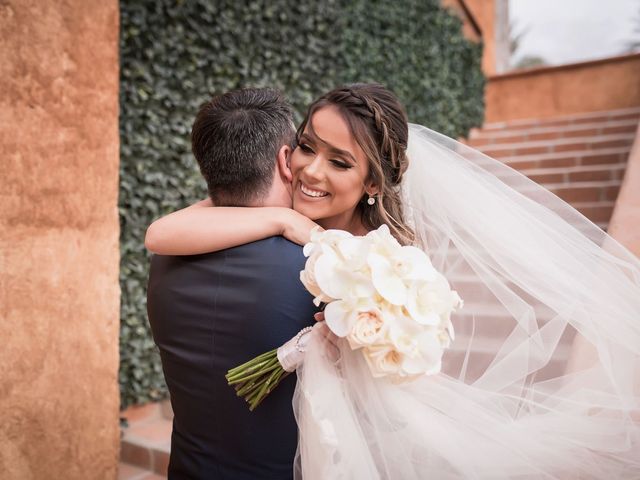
[(236, 138)]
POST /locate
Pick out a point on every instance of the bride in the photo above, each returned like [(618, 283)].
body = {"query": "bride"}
[(543, 378)]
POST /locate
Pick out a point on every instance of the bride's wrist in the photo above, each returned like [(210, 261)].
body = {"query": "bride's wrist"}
[(281, 218)]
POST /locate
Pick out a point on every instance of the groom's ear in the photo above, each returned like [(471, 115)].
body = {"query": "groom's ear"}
[(283, 165)]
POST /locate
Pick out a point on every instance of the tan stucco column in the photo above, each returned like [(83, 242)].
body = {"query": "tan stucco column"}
[(59, 295)]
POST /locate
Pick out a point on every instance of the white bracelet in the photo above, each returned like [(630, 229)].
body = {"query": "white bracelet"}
[(299, 336)]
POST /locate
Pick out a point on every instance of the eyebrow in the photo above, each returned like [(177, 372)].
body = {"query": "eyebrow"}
[(313, 136)]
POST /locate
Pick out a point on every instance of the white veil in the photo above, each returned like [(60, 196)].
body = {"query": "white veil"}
[(543, 378)]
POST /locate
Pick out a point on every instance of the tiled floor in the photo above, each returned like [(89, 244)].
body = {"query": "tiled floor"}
[(145, 442), (129, 472)]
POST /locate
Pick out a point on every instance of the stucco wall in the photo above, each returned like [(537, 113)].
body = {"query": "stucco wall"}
[(58, 239), (609, 84)]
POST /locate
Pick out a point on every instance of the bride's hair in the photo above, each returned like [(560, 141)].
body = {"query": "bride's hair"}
[(379, 124)]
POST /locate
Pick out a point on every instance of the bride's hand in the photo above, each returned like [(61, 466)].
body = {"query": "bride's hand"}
[(296, 227), (330, 339)]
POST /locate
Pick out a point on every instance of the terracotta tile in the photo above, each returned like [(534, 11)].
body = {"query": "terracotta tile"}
[(155, 433), (160, 462), (166, 409), (135, 455), (130, 472), (153, 476), (141, 413)]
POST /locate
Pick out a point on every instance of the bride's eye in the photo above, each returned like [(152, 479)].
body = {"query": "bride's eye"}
[(340, 164), (305, 148)]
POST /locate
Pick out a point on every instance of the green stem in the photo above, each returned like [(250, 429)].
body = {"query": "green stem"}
[(243, 377), (252, 365)]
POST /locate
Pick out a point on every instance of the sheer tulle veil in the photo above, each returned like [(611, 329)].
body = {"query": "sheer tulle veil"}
[(543, 377)]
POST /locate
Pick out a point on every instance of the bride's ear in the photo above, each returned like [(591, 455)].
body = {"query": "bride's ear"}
[(283, 163), (371, 189)]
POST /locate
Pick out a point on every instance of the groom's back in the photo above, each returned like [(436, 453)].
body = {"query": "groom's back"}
[(209, 313)]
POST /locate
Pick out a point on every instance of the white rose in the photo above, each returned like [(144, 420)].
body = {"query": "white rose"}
[(368, 329), (383, 361)]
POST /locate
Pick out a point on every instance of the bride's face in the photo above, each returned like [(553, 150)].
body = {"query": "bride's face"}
[(329, 171)]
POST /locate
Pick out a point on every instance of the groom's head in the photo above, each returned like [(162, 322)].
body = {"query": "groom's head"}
[(242, 140)]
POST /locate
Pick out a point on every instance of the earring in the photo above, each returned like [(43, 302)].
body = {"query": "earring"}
[(371, 200)]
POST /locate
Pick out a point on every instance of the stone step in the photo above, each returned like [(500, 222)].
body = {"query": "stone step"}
[(146, 439), (561, 121)]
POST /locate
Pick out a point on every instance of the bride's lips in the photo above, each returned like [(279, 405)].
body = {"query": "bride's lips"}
[(309, 192)]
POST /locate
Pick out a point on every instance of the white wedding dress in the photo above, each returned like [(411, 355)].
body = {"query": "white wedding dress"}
[(543, 378)]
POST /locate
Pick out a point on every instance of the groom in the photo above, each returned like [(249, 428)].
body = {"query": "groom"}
[(209, 313)]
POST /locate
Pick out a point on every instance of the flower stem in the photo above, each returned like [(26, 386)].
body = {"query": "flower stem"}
[(255, 379)]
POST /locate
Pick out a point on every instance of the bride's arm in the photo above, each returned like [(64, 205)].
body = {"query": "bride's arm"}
[(202, 228)]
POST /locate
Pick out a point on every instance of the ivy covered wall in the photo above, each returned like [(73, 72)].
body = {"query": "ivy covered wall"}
[(175, 54)]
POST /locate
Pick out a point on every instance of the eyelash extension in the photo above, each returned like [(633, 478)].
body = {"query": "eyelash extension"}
[(344, 166), (305, 148)]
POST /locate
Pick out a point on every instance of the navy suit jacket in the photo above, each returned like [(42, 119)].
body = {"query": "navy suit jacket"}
[(209, 313)]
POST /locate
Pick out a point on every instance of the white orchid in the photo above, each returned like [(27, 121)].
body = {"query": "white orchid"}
[(308, 279), (392, 275), (431, 302)]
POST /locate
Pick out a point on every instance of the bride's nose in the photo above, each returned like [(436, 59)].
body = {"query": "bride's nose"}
[(314, 169)]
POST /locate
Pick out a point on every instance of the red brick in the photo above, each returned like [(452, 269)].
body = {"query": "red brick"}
[(605, 159), (555, 162), (589, 175), (497, 153), (531, 150), (590, 119), (598, 213), (555, 123), (544, 135), (478, 142), (570, 147), (623, 142), (618, 173), (627, 116), (510, 139), (547, 177), (580, 133), (574, 195), (620, 129), (610, 193), (522, 165)]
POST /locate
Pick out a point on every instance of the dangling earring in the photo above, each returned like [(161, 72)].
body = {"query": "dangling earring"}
[(371, 200)]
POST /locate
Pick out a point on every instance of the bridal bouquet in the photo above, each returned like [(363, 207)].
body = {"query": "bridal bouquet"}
[(385, 299)]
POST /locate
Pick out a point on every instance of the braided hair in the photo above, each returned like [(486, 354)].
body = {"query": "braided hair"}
[(379, 124)]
